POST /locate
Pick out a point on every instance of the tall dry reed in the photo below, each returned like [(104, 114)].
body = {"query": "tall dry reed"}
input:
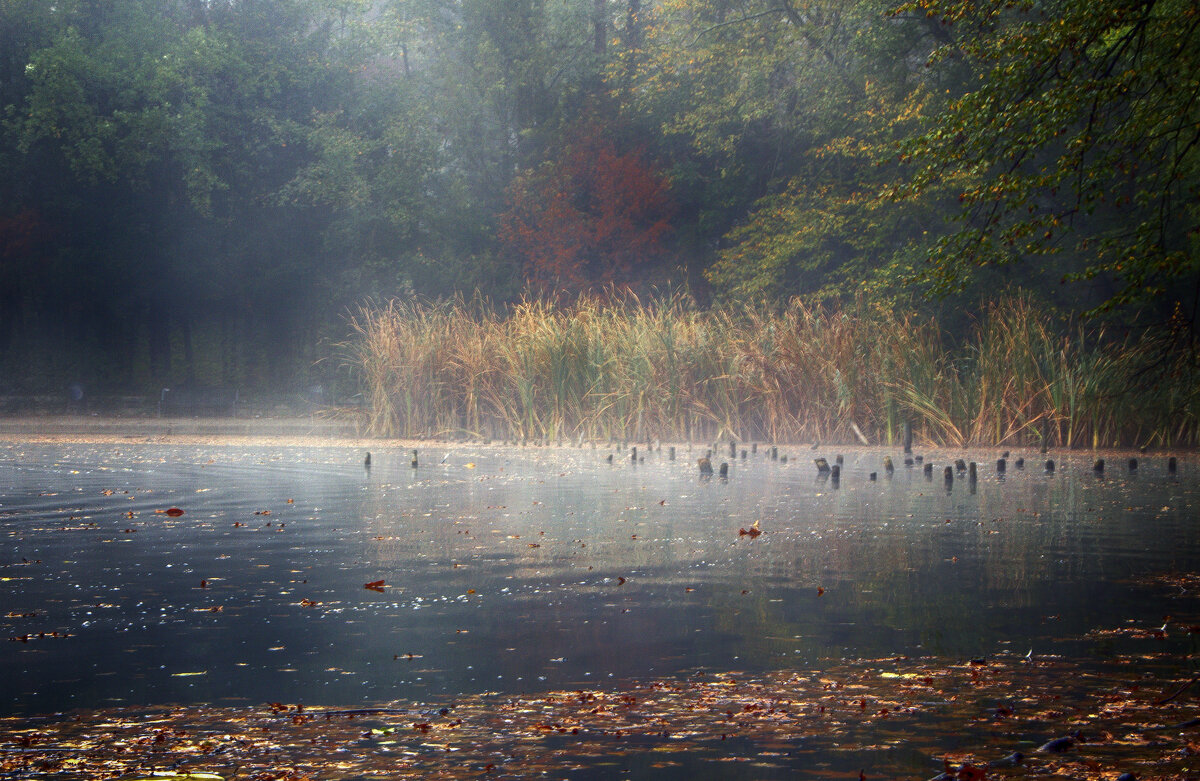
[(621, 368)]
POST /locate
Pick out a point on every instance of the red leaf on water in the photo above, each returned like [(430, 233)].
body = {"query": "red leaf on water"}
[(970, 773), (174, 512), (375, 585)]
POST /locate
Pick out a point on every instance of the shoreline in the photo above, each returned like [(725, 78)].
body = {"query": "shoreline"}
[(314, 431), (77, 429)]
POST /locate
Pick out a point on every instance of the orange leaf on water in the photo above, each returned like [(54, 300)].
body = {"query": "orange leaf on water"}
[(174, 512)]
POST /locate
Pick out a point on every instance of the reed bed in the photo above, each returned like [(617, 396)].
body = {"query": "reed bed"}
[(620, 369)]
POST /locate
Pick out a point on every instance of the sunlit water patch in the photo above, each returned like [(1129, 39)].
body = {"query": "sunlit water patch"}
[(518, 571)]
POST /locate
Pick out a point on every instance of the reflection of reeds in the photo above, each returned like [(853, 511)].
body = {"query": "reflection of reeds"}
[(622, 368)]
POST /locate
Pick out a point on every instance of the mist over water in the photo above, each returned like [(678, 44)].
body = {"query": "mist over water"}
[(539, 569)]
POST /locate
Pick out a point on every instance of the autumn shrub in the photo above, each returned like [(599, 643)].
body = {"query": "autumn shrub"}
[(617, 367)]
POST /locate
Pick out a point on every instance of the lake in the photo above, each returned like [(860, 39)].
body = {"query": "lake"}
[(526, 570)]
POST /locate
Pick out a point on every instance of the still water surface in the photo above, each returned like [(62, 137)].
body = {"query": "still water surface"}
[(540, 569)]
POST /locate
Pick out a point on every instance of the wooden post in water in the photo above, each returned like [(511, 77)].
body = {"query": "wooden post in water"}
[(671, 453), (1098, 467), (907, 437), (1171, 465)]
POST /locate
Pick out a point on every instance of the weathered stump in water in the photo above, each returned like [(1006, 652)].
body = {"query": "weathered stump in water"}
[(949, 475), (960, 465), (1133, 465), (822, 466), (671, 453), (1171, 465), (835, 476), (1098, 467), (414, 460), (907, 437), (1001, 466), (1019, 463), (929, 471), (1050, 465), (367, 460), (633, 454), (723, 469), (887, 465), (972, 472), (705, 467)]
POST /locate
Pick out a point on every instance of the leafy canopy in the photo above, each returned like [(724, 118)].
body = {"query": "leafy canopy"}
[(1076, 140)]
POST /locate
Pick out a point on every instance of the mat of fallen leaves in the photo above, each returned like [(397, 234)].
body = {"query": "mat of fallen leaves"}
[(981, 718)]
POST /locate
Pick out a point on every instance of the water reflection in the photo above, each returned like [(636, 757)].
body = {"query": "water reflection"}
[(525, 570)]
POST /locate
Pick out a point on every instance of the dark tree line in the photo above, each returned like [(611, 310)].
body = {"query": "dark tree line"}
[(199, 190)]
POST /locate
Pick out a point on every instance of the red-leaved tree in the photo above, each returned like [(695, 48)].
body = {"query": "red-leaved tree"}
[(592, 218)]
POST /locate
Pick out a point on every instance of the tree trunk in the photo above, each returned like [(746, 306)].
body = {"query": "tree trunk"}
[(599, 26)]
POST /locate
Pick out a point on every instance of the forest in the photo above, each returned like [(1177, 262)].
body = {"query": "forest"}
[(238, 193)]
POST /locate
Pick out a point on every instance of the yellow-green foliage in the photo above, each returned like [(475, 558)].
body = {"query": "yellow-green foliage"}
[(619, 367)]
